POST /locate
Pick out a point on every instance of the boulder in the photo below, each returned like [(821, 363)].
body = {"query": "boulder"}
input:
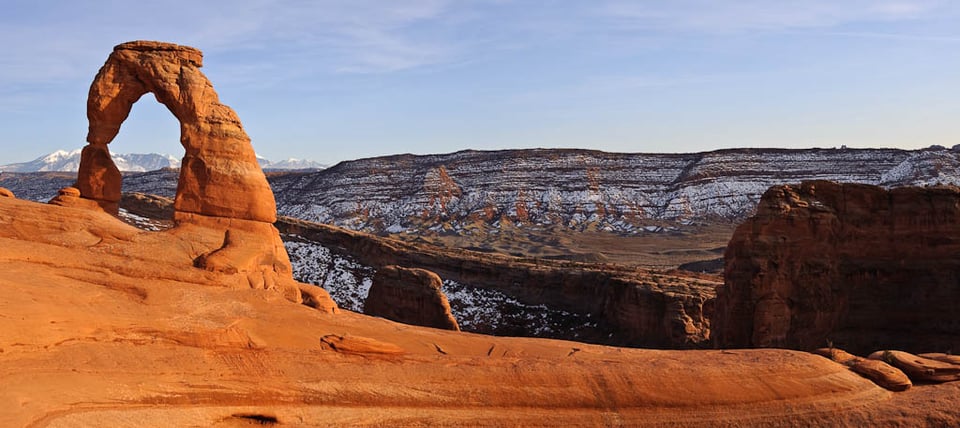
[(881, 373), (70, 197), (919, 368), (6, 193), (857, 265), (410, 296)]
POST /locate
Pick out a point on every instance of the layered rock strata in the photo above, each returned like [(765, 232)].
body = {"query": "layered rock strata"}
[(856, 265), (410, 296), (582, 190)]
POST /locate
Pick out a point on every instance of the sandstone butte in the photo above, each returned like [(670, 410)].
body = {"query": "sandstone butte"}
[(108, 325), (855, 266)]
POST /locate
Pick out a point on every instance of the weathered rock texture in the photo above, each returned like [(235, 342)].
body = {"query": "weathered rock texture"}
[(581, 189), (221, 186), (410, 296), (219, 175), (860, 266)]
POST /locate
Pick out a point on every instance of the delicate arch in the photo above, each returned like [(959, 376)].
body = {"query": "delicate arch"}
[(219, 175)]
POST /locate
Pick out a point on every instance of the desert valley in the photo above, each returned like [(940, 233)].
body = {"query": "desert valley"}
[(534, 287)]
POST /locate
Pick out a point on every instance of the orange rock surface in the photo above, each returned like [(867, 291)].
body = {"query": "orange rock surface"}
[(107, 325), (221, 185)]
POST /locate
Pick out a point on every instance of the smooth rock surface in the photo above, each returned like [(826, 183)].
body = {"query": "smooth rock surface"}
[(103, 325)]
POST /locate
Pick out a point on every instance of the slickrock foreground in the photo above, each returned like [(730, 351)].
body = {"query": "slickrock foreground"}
[(103, 326), (860, 266)]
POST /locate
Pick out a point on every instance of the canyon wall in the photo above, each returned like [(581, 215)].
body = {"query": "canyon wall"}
[(850, 265), (630, 307)]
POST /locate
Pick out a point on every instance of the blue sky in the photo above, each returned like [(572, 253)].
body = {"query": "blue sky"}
[(332, 80)]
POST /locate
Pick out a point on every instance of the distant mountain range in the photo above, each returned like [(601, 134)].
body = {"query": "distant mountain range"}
[(69, 161), (472, 191)]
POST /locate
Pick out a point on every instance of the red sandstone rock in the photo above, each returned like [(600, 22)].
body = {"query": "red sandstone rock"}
[(219, 175), (919, 368), (641, 308), (221, 188), (947, 358), (410, 296), (70, 197), (858, 265), (881, 373), (6, 193)]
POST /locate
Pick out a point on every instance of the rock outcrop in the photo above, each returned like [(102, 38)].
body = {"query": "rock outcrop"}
[(410, 296), (221, 186), (6, 193), (919, 368), (857, 265), (881, 373)]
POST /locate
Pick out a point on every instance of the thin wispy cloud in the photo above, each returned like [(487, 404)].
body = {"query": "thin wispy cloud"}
[(891, 36), (749, 15)]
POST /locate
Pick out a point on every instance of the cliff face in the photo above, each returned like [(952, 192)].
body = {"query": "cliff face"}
[(856, 265), (580, 189)]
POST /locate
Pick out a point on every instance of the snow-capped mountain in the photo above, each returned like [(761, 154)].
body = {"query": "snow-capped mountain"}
[(62, 160), (69, 161), (291, 164)]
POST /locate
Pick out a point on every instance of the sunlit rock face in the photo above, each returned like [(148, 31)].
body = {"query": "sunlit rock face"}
[(221, 189), (219, 174)]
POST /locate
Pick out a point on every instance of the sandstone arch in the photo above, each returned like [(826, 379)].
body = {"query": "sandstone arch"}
[(224, 206), (219, 175)]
